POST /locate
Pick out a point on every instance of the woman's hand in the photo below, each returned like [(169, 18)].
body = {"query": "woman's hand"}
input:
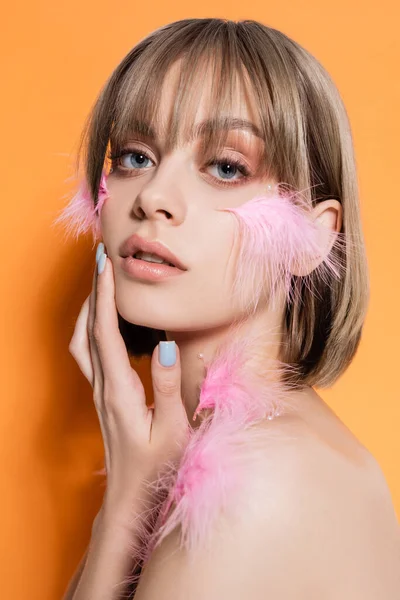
[(138, 440)]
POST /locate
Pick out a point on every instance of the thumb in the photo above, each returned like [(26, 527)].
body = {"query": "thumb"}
[(166, 378)]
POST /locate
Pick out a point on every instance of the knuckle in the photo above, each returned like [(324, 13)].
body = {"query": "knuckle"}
[(74, 350), (166, 387), (73, 343)]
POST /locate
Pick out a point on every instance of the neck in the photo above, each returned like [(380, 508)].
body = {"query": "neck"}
[(206, 343)]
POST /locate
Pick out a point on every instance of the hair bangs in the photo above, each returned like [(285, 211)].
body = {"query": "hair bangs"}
[(137, 109), (129, 103)]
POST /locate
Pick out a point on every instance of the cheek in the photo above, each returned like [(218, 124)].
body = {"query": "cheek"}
[(216, 259), (218, 242)]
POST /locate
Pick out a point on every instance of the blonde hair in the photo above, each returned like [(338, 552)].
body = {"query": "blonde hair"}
[(308, 145)]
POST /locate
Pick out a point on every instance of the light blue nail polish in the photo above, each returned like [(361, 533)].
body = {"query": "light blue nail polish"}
[(99, 251), (102, 263), (167, 353)]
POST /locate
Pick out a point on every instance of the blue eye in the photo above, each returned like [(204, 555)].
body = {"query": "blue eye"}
[(222, 167), (137, 160)]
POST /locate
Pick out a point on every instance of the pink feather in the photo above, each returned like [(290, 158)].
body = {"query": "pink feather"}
[(276, 236), (221, 452), (81, 215)]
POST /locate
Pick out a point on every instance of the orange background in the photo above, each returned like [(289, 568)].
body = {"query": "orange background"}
[(55, 57)]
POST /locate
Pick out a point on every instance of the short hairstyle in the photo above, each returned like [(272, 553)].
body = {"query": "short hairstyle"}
[(308, 146)]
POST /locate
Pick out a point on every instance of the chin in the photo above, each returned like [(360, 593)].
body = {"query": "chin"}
[(138, 316), (155, 317)]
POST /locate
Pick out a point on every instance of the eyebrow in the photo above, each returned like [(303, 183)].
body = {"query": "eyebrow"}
[(204, 127), (210, 125)]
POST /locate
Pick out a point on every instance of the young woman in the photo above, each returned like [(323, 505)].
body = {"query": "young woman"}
[(220, 176)]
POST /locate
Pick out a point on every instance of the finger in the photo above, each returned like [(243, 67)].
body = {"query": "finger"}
[(98, 374), (80, 349), (111, 347), (166, 378), (79, 345)]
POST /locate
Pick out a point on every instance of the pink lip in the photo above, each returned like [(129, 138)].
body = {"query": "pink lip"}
[(140, 269), (135, 243)]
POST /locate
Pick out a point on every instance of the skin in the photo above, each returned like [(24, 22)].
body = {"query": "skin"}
[(319, 524), (314, 478)]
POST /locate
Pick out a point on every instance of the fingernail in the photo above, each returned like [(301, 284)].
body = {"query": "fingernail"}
[(99, 251), (167, 353), (101, 263)]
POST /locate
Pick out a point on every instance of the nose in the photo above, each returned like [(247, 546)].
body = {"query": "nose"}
[(162, 198)]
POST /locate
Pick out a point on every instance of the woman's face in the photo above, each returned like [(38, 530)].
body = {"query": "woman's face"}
[(174, 198)]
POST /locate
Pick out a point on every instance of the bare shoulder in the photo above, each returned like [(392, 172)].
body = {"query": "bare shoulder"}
[(332, 495), (316, 525)]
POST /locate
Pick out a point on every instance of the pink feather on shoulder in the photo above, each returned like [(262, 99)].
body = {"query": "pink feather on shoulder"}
[(221, 451)]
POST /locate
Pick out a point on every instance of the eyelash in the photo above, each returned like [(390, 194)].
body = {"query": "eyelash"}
[(213, 162)]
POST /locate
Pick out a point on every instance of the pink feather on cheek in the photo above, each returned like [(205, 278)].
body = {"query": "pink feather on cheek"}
[(81, 215), (277, 239)]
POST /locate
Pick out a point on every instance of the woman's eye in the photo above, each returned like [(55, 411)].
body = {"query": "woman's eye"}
[(225, 170), (137, 160)]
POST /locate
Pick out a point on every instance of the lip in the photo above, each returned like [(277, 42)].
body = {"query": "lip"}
[(136, 243), (140, 269)]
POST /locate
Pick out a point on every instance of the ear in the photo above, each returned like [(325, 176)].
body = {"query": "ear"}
[(328, 216)]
